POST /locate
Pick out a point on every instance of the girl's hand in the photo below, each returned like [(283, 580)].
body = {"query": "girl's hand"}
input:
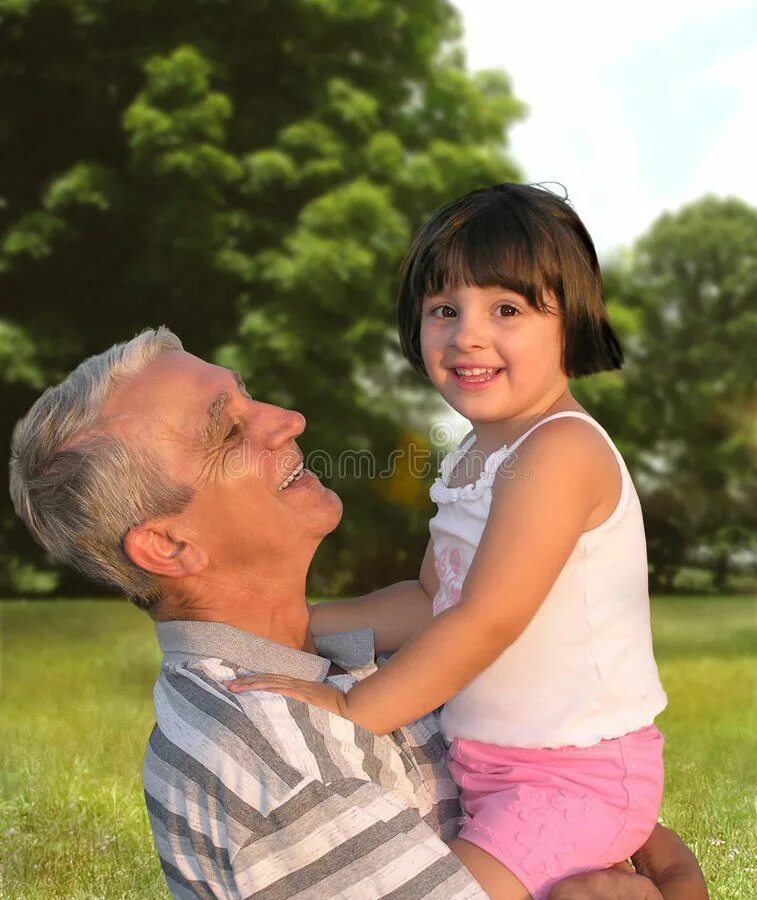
[(312, 692)]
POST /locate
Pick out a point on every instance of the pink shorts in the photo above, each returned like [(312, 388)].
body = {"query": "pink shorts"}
[(548, 814)]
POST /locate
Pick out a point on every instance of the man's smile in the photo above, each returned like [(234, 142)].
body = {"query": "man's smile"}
[(292, 477)]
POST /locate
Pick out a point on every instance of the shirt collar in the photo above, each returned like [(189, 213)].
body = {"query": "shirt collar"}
[(216, 640)]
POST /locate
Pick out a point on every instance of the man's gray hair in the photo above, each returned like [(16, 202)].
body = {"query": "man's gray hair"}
[(78, 488)]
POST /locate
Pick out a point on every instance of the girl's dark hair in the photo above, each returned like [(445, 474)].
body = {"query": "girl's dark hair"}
[(523, 238)]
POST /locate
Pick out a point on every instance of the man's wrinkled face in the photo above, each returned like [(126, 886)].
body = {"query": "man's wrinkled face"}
[(251, 495)]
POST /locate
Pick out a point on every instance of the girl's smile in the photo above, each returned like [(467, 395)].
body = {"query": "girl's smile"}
[(476, 377), (494, 358)]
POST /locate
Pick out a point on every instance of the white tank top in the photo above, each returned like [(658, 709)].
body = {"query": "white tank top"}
[(583, 669)]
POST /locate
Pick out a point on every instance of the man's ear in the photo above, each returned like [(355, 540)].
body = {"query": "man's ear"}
[(166, 549)]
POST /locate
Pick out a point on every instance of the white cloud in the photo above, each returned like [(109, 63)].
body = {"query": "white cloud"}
[(563, 58), (729, 166)]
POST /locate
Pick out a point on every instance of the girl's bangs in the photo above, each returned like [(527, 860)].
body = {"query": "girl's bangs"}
[(484, 251)]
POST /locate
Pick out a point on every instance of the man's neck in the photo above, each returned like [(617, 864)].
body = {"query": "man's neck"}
[(275, 609)]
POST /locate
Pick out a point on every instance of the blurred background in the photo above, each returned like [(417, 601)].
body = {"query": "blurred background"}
[(250, 174)]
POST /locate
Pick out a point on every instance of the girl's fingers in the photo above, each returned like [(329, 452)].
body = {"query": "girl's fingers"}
[(241, 684), (314, 693), (286, 690), (261, 683)]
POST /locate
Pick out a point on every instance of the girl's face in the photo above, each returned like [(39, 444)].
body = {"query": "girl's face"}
[(491, 355)]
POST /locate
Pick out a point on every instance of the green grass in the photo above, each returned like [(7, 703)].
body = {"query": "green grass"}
[(706, 652), (75, 707)]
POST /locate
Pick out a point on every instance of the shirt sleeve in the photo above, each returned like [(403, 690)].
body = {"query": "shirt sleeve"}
[(349, 839)]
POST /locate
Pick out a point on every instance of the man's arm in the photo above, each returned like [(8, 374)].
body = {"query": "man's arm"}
[(350, 837)]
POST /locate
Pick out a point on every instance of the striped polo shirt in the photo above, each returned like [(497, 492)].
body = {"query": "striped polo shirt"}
[(256, 795)]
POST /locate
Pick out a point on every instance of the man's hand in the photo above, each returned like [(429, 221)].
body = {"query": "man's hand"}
[(669, 863), (665, 868), (312, 692), (610, 884)]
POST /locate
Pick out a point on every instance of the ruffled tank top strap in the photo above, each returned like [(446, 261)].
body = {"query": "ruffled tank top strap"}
[(442, 494), (448, 463)]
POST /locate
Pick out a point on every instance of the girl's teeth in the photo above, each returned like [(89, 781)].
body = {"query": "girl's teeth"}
[(466, 372)]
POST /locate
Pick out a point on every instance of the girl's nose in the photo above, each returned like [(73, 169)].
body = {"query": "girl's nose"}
[(470, 334)]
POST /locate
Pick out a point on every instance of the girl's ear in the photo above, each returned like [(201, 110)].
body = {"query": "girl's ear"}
[(165, 549)]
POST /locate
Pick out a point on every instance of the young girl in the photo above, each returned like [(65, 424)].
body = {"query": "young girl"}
[(530, 619)]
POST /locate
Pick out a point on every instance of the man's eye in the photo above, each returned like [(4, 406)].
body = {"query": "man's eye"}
[(444, 312), (233, 432)]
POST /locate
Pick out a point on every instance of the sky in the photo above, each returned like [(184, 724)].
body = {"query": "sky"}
[(635, 108)]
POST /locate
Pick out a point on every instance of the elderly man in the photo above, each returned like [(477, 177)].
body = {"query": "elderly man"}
[(154, 471)]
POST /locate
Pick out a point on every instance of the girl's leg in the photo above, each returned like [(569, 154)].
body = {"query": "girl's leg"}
[(497, 880)]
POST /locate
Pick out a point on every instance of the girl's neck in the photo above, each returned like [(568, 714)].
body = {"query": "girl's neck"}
[(490, 436)]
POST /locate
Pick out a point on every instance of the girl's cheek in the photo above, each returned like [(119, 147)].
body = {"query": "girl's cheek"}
[(427, 350)]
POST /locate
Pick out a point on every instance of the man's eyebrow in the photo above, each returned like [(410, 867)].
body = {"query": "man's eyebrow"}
[(214, 416), (239, 380)]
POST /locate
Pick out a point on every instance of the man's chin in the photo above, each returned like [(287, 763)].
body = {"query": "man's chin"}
[(335, 511)]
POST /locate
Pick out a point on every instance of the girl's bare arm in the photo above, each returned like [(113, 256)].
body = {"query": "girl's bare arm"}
[(395, 613), (535, 521)]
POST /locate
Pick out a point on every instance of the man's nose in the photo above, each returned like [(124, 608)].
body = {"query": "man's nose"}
[(282, 425)]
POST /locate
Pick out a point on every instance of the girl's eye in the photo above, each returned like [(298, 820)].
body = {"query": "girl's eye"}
[(444, 312), (507, 311)]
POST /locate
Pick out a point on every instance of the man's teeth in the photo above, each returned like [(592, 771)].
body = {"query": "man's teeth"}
[(476, 371), (295, 476)]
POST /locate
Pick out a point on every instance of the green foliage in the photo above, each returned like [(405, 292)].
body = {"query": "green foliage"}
[(72, 816), (682, 408), (31, 236), (178, 123), (251, 180), (18, 357), (692, 284), (84, 184)]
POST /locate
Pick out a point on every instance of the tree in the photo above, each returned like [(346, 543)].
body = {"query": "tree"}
[(250, 175), (691, 285)]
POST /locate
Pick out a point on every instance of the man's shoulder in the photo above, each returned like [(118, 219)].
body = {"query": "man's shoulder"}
[(280, 742), (281, 739), (234, 781), (205, 734)]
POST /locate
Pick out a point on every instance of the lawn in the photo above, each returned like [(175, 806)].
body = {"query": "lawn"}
[(75, 707)]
